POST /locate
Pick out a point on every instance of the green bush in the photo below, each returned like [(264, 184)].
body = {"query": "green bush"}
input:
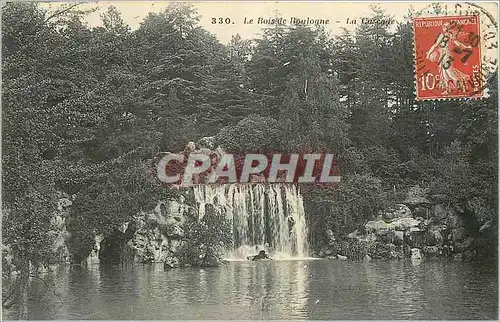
[(206, 240), (252, 134)]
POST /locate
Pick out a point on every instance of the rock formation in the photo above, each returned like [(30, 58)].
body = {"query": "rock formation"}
[(431, 230)]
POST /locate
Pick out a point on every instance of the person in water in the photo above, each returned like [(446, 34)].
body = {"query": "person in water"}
[(261, 255), (256, 250)]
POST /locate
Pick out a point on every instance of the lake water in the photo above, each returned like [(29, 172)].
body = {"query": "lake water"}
[(298, 289)]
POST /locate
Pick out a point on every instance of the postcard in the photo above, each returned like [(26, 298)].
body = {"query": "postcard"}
[(245, 160)]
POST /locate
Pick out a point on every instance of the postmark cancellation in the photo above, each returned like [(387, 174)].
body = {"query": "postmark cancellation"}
[(455, 54)]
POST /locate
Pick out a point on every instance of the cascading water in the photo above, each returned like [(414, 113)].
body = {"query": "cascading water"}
[(263, 216)]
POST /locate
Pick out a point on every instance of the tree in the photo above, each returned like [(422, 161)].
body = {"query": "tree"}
[(253, 134), (311, 114), (68, 123), (30, 166), (188, 76), (207, 239), (364, 63)]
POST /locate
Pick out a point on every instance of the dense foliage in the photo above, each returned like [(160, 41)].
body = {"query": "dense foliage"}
[(84, 109), (207, 239)]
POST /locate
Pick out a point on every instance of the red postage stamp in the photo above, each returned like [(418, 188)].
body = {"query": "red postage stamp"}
[(448, 57)]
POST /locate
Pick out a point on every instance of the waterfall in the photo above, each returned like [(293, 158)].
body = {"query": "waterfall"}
[(263, 216)]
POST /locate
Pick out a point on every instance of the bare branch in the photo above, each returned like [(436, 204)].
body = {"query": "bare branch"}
[(58, 13), (48, 287), (9, 295), (41, 302)]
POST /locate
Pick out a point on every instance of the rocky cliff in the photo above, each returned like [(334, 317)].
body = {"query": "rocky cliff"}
[(415, 226)]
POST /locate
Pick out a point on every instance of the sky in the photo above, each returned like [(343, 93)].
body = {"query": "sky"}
[(133, 12)]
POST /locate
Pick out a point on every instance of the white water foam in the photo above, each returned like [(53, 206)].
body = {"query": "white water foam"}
[(263, 216)]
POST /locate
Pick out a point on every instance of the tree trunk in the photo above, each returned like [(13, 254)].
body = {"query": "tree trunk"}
[(23, 290)]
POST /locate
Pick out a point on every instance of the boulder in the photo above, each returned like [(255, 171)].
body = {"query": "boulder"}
[(321, 253), (63, 203), (158, 219), (164, 250), (258, 178), (58, 222), (207, 142), (485, 226), (175, 232), (173, 211), (354, 235), (399, 252), (149, 220), (94, 253), (439, 212), (377, 226), (416, 254), (380, 227), (144, 247), (330, 237), (190, 147), (402, 211), (329, 252), (399, 211), (405, 223), (175, 245), (416, 196), (157, 234)]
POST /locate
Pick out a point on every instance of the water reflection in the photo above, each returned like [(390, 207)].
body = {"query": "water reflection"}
[(312, 289)]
